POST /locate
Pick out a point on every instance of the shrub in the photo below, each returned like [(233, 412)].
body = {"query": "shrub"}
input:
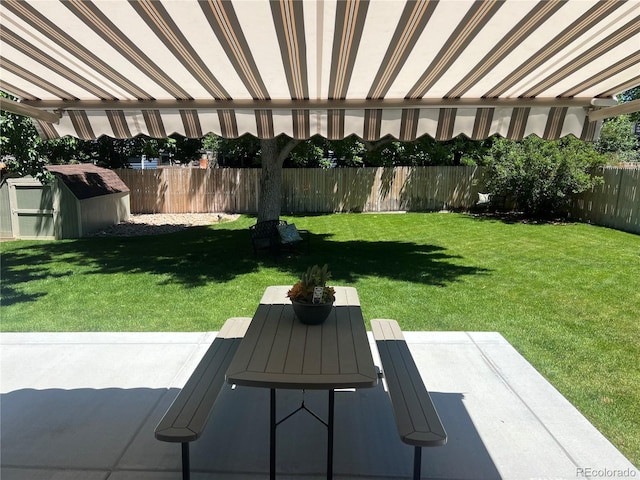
[(540, 176)]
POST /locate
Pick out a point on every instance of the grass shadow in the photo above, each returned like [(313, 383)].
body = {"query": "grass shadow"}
[(199, 255), (394, 260), (511, 218)]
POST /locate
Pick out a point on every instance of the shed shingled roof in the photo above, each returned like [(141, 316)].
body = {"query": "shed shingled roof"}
[(88, 181)]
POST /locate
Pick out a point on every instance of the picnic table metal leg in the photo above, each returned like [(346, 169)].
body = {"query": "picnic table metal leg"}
[(272, 436), (417, 460), (273, 425), (185, 461), (330, 435)]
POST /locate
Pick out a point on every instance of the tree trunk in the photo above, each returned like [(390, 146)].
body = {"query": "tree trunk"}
[(270, 197), (270, 182)]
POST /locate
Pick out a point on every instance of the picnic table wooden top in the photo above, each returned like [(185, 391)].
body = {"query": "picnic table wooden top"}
[(279, 351)]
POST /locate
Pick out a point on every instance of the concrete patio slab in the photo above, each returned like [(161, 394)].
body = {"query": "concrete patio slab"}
[(85, 405)]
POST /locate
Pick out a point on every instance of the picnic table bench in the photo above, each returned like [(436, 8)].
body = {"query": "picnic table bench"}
[(416, 417), (187, 416)]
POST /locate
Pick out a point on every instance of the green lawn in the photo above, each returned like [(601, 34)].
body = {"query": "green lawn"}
[(566, 296)]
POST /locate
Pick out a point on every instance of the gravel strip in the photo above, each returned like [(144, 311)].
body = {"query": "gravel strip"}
[(157, 224)]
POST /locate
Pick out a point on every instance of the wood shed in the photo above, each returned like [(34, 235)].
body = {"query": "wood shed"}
[(81, 200)]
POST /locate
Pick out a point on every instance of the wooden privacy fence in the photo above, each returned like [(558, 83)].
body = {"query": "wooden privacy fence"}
[(305, 190), (192, 190), (379, 189), (615, 203)]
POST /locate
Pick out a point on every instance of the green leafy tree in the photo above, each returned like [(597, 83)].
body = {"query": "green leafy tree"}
[(109, 152), (25, 153), (348, 152), (427, 151), (183, 148), (20, 145), (618, 140), (60, 151), (211, 142), (541, 176), (627, 96), (308, 154), (238, 152)]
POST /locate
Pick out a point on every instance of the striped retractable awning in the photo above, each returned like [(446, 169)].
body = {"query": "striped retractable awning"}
[(318, 67)]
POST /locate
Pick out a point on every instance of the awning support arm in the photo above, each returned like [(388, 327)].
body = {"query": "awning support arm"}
[(28, 111), (622, 109)]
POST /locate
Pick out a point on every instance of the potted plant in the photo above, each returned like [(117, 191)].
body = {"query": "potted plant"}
[(310, 296)]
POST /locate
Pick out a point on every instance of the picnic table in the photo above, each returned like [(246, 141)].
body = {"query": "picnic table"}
[(280, 352), (275, 350)]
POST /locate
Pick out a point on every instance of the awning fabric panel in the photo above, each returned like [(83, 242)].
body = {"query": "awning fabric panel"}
[(66, 55), (369, 124)]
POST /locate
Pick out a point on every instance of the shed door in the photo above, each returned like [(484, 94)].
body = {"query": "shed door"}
[(32, 210)]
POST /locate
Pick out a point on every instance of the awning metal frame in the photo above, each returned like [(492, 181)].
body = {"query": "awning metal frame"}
[(309, 104), (614, 111), (21, 108), (598, 109)]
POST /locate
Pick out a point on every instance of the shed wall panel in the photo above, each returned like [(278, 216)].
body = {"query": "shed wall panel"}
[(101, 212), (68, 215), (6, 231)]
